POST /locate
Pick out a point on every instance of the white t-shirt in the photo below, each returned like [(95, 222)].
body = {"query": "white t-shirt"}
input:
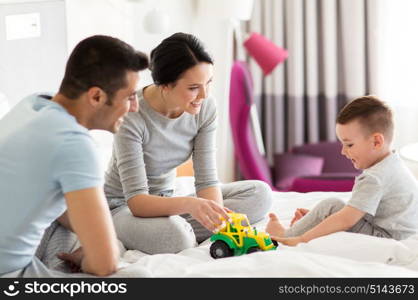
[(389, 192)]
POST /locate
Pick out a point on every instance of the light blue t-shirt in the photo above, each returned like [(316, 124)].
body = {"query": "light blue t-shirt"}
[(44, 153)]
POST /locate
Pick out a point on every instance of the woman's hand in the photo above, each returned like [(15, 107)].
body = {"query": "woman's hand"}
[(208, 213)]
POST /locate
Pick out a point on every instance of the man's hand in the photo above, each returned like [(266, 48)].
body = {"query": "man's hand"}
[(73, 260), (91, 220)]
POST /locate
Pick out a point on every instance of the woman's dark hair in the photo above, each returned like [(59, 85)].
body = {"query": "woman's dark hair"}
[(174, 55), (100, 61)]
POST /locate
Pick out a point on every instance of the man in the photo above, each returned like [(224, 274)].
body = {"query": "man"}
[(47, 155)]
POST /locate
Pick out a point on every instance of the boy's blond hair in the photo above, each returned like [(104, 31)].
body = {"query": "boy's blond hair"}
[(373, 114)]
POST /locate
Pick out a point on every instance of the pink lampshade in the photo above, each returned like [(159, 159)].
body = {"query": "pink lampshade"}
[(265, 52)]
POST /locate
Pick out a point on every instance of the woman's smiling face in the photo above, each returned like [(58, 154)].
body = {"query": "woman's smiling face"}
[(190, 90)]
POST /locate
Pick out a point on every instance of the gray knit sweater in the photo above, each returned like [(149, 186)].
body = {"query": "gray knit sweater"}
[(149, 146)]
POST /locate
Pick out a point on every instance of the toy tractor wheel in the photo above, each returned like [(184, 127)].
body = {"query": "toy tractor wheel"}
[(253, 249), (220, 249)]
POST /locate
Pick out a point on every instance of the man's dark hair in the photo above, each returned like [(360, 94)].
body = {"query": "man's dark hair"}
[(174, 55), (100, 61), (373, 115)]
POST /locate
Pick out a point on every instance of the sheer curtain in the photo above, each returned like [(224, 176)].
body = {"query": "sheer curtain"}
[(399, 67), (4, 105), (333, 58)]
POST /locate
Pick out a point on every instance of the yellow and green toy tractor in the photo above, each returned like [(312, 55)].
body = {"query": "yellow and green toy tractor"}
[(238, 237)]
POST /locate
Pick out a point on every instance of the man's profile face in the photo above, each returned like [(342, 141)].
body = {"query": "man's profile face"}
[(123, 101)]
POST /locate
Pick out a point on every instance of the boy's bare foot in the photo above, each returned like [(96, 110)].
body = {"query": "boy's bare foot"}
[(274, 227)]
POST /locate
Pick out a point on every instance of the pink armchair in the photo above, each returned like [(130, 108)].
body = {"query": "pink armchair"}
[(314, 167), (311, 167)]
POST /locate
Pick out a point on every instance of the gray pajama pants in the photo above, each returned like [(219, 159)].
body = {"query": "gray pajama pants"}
[(46, 264), (326, 208), (175, 233)]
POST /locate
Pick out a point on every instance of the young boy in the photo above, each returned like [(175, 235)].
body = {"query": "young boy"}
[(384, 199)]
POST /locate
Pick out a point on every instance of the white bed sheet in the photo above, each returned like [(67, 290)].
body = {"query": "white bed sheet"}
[(337, 255)]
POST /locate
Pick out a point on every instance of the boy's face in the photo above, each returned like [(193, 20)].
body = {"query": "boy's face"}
[(363, 149)]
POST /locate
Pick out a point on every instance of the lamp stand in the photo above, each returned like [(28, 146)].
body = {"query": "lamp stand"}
[(255, 123)]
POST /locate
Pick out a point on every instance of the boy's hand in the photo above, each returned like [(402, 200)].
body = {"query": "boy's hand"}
[(291, 241), (299, 214), (73, 259)]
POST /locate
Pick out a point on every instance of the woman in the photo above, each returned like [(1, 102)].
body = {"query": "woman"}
[(176, 121)]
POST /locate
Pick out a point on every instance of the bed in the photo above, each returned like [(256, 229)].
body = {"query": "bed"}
[(340, 254)]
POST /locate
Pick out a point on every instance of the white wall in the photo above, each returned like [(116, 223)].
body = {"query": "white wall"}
[(124, 19), (86, 18), (34, 62)]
